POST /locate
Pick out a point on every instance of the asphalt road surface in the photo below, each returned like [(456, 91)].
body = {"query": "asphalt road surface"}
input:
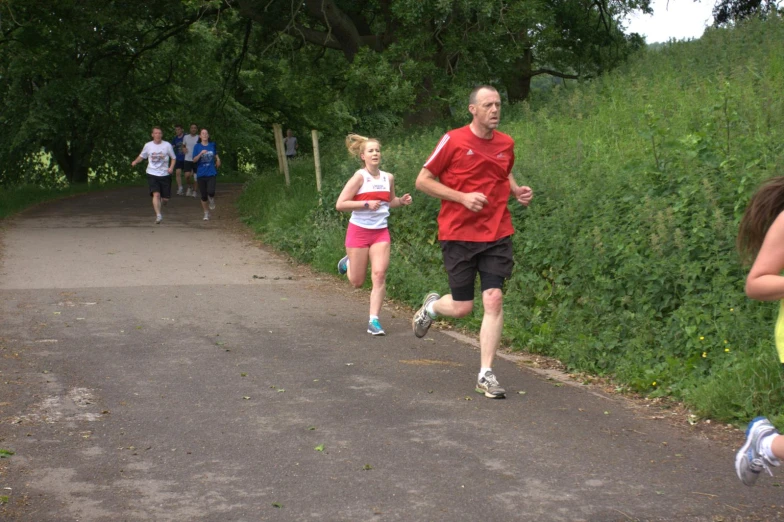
[(181, 372)]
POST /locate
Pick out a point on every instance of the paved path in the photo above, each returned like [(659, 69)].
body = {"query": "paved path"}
[(146, 374)]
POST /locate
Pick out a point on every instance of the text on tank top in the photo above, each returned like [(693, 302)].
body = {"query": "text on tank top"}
[(372, 189)]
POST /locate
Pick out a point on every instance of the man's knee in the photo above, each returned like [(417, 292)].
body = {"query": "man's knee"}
[(493, 300), (462, 308)]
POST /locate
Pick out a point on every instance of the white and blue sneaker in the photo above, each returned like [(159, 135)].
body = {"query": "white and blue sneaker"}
[(750, 461), (343, 266), (374, 327)]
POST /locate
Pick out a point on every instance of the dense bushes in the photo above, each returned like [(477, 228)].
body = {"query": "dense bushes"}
[(625, 260)]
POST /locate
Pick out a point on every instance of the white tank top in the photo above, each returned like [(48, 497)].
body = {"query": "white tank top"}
[(372, 189)]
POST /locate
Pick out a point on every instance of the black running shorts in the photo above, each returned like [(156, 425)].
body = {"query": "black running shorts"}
[(160, 184), (493, 261)]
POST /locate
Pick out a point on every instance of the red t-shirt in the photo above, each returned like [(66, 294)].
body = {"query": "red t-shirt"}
[(467, 163)]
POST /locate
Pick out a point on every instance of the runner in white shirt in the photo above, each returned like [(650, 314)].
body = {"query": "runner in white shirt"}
[(158, 175), (189, 141)]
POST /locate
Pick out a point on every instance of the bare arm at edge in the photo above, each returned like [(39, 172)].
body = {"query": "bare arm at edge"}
[(765, 282)]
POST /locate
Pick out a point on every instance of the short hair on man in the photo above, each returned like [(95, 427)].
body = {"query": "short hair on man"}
[(475, 91), (178, 126), (157, 128)]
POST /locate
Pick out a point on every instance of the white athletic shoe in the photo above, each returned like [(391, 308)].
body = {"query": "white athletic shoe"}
[(422, 320), (158, 219), (488, 384), (206, 216), (195, 194), (212, 203), (750, 461), (188, 192), (180, 192)]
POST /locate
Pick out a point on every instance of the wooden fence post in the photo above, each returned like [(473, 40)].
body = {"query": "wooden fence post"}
[(317, 160), (284, 164), (277, 147)]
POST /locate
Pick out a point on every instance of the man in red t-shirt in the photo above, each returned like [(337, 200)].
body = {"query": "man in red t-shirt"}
[(470, 171)]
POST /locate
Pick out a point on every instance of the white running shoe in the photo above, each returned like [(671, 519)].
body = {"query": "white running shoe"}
[(212, 203), (180, 192), (188, 192), (750, 461), (422, 320), (195, 194), (158, 219), (206, 216), (488, 384)]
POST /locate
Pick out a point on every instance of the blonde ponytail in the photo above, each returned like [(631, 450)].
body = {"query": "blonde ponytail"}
[(356, 144)]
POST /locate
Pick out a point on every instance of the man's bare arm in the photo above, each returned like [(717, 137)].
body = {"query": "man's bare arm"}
[(523, 194), (427, 183)]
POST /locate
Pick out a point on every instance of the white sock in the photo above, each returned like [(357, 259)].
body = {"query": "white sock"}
[(483, 371), (765, 447), (373, 317), (430, 311)]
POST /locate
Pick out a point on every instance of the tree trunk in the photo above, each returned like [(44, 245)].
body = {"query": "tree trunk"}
[(72, 160), (341, 26), (518, 81), (426, 111)]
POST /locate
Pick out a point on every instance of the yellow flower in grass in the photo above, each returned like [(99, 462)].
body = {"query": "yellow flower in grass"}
[(653, 383), (727, 350), (702, 338), (704, 354)]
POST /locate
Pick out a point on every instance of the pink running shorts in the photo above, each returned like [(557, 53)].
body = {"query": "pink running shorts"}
[(358, 237)]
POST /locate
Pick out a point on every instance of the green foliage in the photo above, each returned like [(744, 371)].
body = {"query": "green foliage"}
[(82, 84), (73, 75), (625, 259)]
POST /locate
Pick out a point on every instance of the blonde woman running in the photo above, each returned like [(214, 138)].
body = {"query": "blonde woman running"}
[(368, 195)]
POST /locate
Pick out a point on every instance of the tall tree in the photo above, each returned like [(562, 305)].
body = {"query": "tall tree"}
[(74, 73), (730, 11), (439, 43)]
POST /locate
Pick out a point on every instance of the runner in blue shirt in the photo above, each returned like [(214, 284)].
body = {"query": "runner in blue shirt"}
[(205, 155)]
